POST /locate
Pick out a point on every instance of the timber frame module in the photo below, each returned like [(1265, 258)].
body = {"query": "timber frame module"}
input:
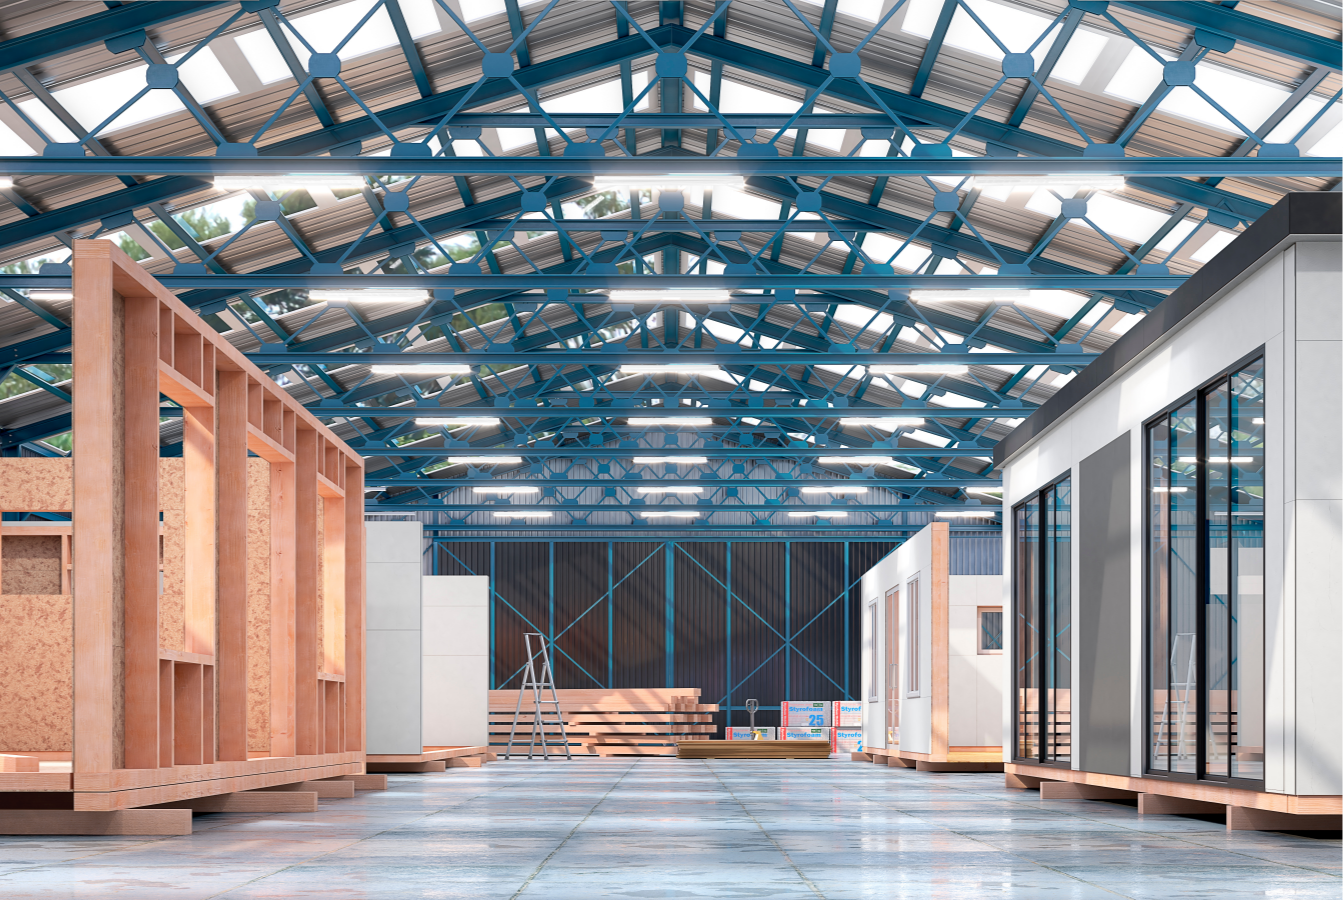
[(198, 629)]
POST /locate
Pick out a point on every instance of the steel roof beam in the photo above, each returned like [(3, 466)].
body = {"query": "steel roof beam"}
[(620, 354), (1316, 49), (95, 29)]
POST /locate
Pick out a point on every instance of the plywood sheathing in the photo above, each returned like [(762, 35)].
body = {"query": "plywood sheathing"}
[(258, 605), (37, 485), (36, 643), (172, 602)]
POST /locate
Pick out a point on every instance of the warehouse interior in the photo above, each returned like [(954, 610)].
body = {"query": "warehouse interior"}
[(483, 448)]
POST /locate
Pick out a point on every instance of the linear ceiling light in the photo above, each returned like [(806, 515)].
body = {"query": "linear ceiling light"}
[(889, 424), (506, 490), (369, 295), (670, 296), (668, 514), (974, 295), (918, 369), (1218, 459), (683, 489), (671, 370), (51, 294), (858, 460), (823, 515), (670, 181), (458, 420), (483, 460), (1097, 182), (670, 422), (6, 183), (289, 182), (968, 513), (1169, 490), (834, 490), (422, 369), (523, 514), (682, 460)]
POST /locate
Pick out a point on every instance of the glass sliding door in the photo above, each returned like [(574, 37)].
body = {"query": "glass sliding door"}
[(1042, 617), (1205, 596)]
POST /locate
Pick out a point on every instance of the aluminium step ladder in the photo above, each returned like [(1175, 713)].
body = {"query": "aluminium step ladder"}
[(538, 678)]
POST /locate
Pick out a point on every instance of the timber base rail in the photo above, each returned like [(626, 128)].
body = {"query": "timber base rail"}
[(956, 759), (433, 759), (195, 629), (616, 722)]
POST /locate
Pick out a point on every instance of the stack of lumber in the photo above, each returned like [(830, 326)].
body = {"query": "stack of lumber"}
[(618, 722), (754, 750)]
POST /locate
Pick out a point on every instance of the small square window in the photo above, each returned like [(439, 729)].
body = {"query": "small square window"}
[(990, 629)]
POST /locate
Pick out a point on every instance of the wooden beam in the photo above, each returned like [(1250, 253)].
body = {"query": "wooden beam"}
[(429, 765), (261, 801), (140, 442), (1159, 805), (355, 570), (97, 412), (13, 762), (231, 447), (1241, 818), (283, 543), (198, 452), (364, 782), (187, 714), (67, 821), (167, 713), (327, 790), (1071, 790), (306, 702)]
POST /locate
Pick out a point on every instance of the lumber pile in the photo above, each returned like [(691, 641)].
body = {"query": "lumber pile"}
[(617, 722), (753, 750)]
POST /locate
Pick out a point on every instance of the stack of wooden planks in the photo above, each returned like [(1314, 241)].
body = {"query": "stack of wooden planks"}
[(617, 722), (753, 750)]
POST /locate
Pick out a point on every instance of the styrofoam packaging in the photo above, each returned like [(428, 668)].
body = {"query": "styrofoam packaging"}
[(847, 740), (805, 714), (743, 733), (846, 714), (810, 734)]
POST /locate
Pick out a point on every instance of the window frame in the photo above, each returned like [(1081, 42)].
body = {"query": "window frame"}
[(1038, 496), (914, 631), (1201, 575), (979, 632)]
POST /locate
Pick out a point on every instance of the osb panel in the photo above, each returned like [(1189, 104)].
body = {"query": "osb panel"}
[(32, 564), (36, 484), (321, 580), (172, 600), (172, 483), (258, 605), (36, 673)]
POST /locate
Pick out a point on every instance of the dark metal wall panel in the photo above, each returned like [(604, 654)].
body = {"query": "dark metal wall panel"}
[(759, 576), (700, 634), (581, 613), (977, 555), (638, 644), (521, 602), (817, 668)]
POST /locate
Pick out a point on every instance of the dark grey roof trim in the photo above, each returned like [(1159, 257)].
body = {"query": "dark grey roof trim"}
[(1298, 214)]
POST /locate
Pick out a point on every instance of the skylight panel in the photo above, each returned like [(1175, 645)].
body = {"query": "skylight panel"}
[(1063, 304), (1079, 56), (735, 98), (1045, 203), (1016, 28), (880, 247), (1176, 234), (1329, 145), (867, 10), (599, 98), (1126, 323), (1295, 120), (741, 205), (13, 145), (1122, 219), (481, 9), (1213, 245)]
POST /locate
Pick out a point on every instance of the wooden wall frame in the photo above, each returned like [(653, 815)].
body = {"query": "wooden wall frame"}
[(154, 725)]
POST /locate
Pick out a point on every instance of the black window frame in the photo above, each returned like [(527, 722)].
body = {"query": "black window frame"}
[(1201, 579)]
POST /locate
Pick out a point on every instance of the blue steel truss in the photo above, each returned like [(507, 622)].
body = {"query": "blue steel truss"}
[(789, 390)]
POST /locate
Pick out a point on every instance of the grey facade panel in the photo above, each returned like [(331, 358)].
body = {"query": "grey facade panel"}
[(977, 555), (1102, 722)]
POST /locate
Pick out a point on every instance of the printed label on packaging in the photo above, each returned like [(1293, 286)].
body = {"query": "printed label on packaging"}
[(743, 733), (848, 740), (810, 734), (847, 714), (805, 713)]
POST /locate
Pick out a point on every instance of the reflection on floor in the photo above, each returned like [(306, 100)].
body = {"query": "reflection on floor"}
[(661, 828)]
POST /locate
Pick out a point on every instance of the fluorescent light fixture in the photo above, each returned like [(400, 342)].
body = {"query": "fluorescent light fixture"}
[(1095, 182), (373, 487), (422, 369), (918, 369), (968, 513), (369, 295), (974, 295), (458, 420), (506, 490), (996, 493), (858, 460), (1258, 421), (671, 296), (289, 182), (1169, 490), (668, 514), (523, 514), (1241, 459), (1218, 459), (683, 460), (823, 515), (1188, 459), (888, 423), (670, 181), (671, 370), (6, 183), (689, 420), (483, 460), (834, 490), (51, 294), (670, 490)]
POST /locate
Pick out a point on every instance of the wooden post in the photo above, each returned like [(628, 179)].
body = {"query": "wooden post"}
[(282, 620), (188, 715), (97, 335), (306, 701), (354, 607), (333, 585), (140, 436), (231, 404), (198, 452)]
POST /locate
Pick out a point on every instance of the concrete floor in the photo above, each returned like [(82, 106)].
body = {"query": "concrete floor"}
[(663, 829)]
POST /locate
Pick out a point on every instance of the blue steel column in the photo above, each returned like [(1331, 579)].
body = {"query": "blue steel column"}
[(787, 620), (610, 616), (494, 679), (550, 571), (847, 591), (728, 598), (670, 637)]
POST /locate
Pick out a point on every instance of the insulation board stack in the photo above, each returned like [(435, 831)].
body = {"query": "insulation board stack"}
[(805, 714), (743, 733), (846, 714), (846, 740), (809, 734)]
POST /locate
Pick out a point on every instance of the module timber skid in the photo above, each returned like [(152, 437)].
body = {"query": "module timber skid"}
[(211, 654)]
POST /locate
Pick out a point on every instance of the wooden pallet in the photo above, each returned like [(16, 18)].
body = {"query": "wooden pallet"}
[(623, 722), (753, 750)]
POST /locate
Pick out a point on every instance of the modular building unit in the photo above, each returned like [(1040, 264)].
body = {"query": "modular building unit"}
[(1173, 554), (932, 658)]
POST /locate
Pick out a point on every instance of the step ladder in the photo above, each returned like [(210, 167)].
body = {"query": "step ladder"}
[(538, 678)]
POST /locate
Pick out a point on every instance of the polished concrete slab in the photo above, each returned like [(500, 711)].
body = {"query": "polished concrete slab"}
[(659, 828)]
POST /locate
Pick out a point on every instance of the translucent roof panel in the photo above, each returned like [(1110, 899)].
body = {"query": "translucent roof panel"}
[(1213, 245), (1016, 28), (867, 10)]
